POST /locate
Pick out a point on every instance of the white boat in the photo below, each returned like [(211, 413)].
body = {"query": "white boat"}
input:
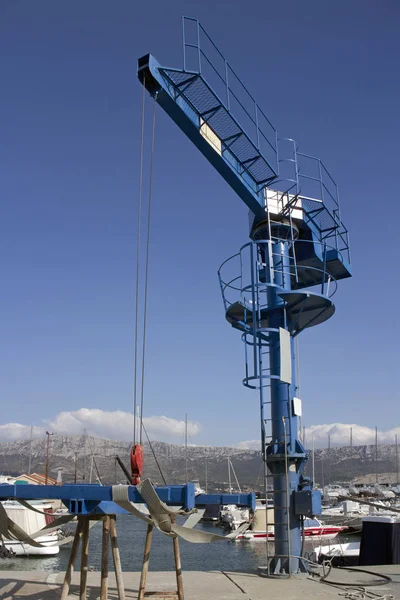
[(348, 513), (383, 492), (338, 554), (7, 480), (31, 522), (49, 546), (347, 553), (334, 492), (197, 488), (352, 514), (233, 516), (313, 528)]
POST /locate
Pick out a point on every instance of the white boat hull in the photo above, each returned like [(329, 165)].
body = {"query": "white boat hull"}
[(349, 551), (323, 532), (49, 547)]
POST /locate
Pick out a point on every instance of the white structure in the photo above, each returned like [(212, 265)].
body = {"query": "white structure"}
[(31, 522)]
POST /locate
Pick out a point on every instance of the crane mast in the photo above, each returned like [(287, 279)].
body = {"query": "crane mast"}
[(281, 282)]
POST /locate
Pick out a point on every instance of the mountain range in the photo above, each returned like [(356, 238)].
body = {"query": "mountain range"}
[(91, 455)]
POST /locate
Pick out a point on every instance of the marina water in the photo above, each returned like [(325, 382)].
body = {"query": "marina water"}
[(226, 556)]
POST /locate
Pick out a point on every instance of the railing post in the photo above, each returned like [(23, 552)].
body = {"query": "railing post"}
[(323, 271), (320, 181), (254, 307)]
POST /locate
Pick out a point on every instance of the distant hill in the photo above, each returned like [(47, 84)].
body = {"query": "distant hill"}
[(64, 450), (337, 464)]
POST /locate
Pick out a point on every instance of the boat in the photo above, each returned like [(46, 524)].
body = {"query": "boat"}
[(333, 492), (348, 513), (232, 516), (7, 480), (197, 488), (31, 522), (338, 555), (313, 528), (347, 553), (352, 514), (211, 513)]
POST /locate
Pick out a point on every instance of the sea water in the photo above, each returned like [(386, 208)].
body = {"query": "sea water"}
[(221, 555)]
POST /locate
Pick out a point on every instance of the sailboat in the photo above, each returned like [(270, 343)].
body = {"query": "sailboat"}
[(232, 516)]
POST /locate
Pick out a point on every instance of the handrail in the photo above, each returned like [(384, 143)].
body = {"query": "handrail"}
[(327, 279), (269, 136)]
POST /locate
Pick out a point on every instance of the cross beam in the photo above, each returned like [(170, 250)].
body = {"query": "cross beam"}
[(98, 499)]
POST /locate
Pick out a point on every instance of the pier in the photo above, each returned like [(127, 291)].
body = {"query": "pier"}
[(213, 585)]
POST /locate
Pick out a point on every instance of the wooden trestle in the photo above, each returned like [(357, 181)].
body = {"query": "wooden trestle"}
[(109, 537)]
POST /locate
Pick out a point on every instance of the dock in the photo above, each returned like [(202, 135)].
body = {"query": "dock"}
[(212, 585)]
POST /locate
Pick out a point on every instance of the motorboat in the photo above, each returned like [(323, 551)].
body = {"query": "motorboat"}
[(31, 522), (313, 528), (338, 554), (232, 516), (347, 553), (333, 492), (352, 514)]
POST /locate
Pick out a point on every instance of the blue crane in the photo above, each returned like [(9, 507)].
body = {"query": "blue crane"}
[(279, 283)]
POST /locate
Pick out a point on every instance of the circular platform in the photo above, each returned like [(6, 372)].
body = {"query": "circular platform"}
[(303, 309)]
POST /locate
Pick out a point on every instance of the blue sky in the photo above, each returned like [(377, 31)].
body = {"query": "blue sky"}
[(325, 73)]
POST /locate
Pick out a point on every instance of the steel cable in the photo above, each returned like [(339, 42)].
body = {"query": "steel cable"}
[(138, 264), (147, 267)]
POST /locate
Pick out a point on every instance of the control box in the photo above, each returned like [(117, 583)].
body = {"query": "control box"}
[(308, 503)]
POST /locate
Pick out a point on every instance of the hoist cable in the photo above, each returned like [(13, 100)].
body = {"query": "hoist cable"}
[(154, 454), (137, 266), (147, 267)]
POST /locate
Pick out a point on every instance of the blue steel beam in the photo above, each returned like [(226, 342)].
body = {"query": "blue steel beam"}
[(151, 75), (86, 498)]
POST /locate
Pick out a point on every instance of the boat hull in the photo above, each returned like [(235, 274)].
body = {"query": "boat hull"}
[(49, 547), (327, 533)]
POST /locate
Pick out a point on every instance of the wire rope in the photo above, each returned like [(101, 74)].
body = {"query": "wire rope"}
[(138, 265), (154, 454), (147, 267)]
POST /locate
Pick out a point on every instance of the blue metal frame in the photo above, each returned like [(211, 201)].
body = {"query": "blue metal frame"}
[(306, 246), (93, 499), (252, 158)]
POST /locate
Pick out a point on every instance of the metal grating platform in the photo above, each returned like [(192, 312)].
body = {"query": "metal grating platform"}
[(211, 110)]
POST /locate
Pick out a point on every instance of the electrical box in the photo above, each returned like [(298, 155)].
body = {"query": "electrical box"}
[(308, 503)]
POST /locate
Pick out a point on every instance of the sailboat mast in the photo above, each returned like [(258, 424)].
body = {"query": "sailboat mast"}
[(229, 475), (186, 447), (206, 469), (84, 456), (313, 459), (30, 452), (376, 455)]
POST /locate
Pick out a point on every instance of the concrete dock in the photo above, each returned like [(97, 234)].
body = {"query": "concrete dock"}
[(211, 585)]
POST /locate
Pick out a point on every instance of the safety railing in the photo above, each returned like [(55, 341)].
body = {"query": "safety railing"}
[(202, 56), (305, 184), (236, 281)]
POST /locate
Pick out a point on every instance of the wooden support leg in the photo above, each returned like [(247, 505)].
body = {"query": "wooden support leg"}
[(84, 558), (104, 558), (178, 567), (146, 560), (116, 558), (71, 561)]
